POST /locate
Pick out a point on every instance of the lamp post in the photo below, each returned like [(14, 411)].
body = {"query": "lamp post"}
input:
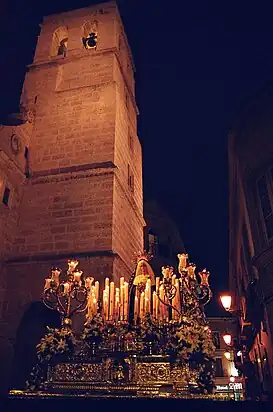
[(226, 301), (227, 338)]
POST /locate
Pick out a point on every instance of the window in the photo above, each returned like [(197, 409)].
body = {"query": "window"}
[(59, 42), (216, 339), (26, 162), (219, 368), (6, 196), (131, 183), (130, 142), (152, 243), (62, 47), (126, 99), (265, 193)]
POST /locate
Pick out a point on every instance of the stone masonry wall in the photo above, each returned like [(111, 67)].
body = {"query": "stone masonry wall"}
[(66, 216), (74, 127), (77, 201), (128, 231)]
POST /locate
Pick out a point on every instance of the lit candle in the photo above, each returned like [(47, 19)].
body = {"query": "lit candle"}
[(177, 299), (154, 304), (55, 274), (136, 308), (47, 283), (162, 306), (149, 295), (66, 289), (95, 306), (191, 270), (157, 302), (126, 299), (97, 286), (106, 282), (72, 264), (105, 313), (77, 276), (121, 297), (88, 282), (112, 300), (204, 275), (157, 284), (107, 290), (182, 261), (142, 303), (117, 305)]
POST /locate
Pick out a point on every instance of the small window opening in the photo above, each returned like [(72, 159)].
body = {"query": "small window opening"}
[(131, 183), (26, 154), (6, 196), (62, 47)]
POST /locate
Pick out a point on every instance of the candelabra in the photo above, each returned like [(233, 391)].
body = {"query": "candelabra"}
[(184, 295), (68, 295)]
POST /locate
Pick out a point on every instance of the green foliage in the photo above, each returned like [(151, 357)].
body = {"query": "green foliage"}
[(57, 342)]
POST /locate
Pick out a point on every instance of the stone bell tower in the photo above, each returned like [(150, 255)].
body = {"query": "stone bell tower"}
[(81, 192)]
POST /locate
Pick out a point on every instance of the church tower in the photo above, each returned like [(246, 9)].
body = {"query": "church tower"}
[(71, 168)]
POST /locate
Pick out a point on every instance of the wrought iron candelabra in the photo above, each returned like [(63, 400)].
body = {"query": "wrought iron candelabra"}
[(180, 294), (68, 295), (189, 295)]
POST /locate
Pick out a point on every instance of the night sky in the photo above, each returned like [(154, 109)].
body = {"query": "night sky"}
[(197, 63)]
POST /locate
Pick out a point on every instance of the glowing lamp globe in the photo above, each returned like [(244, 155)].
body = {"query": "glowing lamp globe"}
[(227, 338), (227, 355), (226, 302)]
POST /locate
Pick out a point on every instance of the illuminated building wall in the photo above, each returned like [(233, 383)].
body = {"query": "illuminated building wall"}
[(225, 369), (251, 232), (71, 167)]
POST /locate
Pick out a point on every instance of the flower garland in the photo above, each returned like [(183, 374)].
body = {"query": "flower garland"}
[(56, 342)]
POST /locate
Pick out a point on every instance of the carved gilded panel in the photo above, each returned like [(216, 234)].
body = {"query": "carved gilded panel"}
[(153, 372), (71, 372)]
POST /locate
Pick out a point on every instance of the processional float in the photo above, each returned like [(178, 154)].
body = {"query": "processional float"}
[(143, 337)]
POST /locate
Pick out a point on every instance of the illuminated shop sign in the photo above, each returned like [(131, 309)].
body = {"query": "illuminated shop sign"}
[(232, 386), (236, 386)]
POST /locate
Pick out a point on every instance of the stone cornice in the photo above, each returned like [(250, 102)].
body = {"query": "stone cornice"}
[(59, 60), (48, 257), (72, 172), (45, 257)]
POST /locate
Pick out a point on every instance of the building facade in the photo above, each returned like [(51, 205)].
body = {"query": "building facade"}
[(71, 163), (227, 380), (251, 236), (161, 237)]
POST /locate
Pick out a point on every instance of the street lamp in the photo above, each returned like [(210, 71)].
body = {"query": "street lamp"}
[(227, 338), (227, 355), (226, 302)]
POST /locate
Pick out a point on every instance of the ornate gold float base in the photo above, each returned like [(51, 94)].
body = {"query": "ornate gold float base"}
[(132, 376)]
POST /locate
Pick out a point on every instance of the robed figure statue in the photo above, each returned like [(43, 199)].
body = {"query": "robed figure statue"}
[(138, 281)]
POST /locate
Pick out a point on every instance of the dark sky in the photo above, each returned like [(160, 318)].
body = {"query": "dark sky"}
[(197, 63)]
